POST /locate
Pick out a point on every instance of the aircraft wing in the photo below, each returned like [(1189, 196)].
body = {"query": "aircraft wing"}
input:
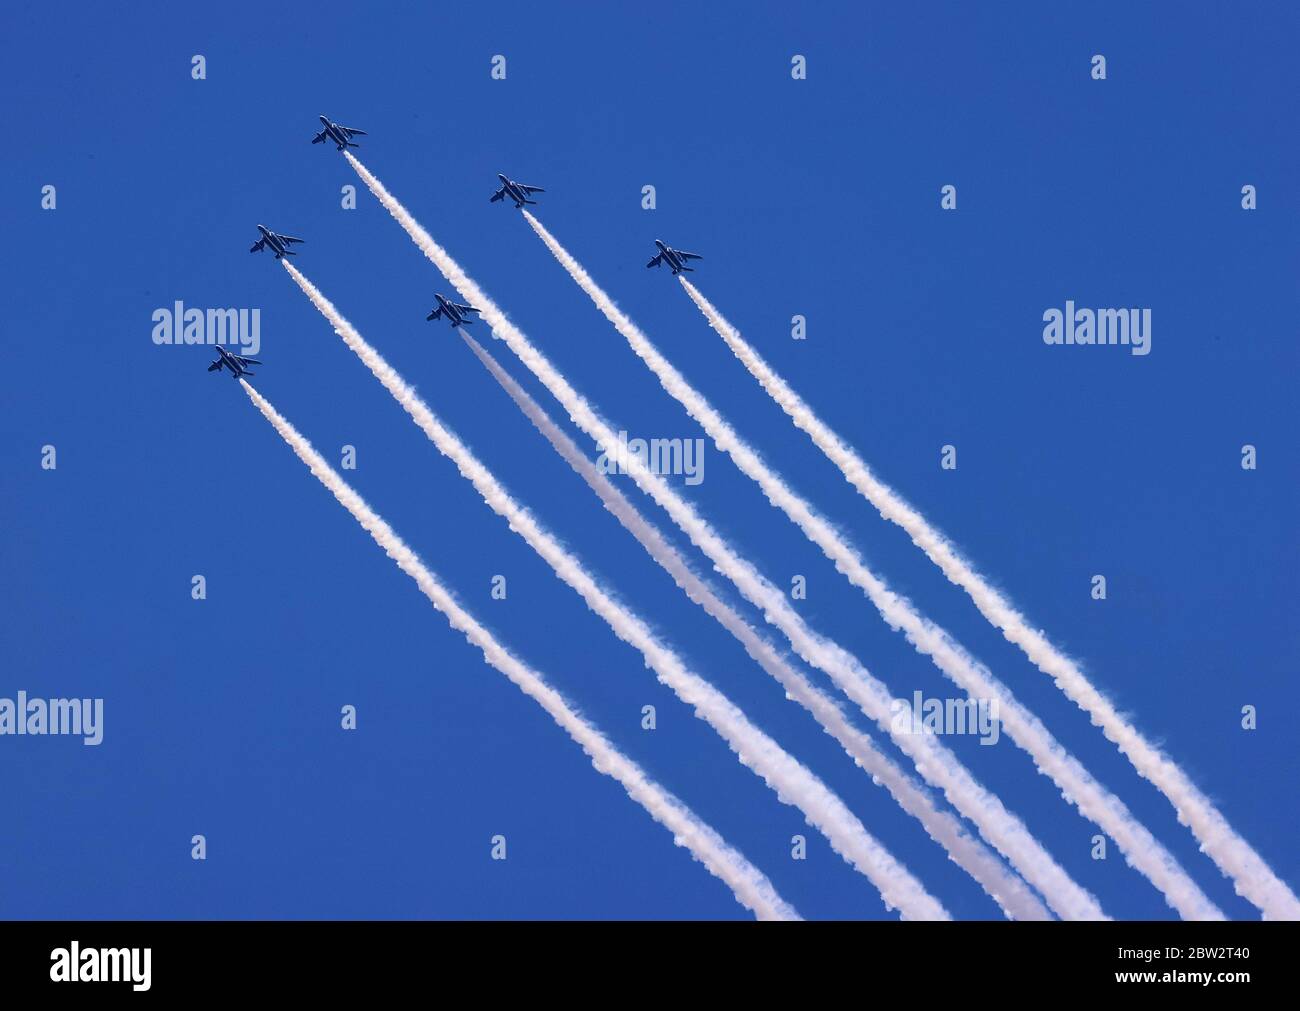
[(689, 256), (435, 314), (497, 195), (655, 261), (467, 308), (530, 189), (318, 138), (257, 246), (290, 238), (215, 366), (351, 132), (246, 361)]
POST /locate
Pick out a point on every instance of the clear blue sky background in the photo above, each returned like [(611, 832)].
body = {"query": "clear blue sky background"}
[(816, 197)]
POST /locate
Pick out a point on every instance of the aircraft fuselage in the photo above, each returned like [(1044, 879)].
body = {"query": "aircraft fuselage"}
[(334, 133), (514, 192), (670, 256), (272, 240)]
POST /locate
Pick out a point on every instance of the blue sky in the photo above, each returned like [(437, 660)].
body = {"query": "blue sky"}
[(817, 197)]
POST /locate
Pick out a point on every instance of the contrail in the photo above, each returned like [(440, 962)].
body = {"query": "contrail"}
[(1008, 890), (1139, 847), (751, 887), (792, 782), (937, 766), (1253, 878)]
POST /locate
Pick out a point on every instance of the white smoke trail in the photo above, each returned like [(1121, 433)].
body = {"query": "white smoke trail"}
[(792, 782), (937, 766), (751, 887), (1008, 890), (1253, 879), (1139, 847)]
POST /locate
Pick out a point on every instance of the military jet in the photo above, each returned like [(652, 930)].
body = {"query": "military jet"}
[(237, 364), (279, 244), (340, 135), (454, 311), (517, 192), (675, 258)]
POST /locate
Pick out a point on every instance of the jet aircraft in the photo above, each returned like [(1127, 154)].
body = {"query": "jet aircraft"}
[(237, 364), (454, 311), (340, 135), (517, 192), (278, 244), (675, 258)]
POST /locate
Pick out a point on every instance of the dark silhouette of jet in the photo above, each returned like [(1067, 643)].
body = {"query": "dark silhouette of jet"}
[(237, 364)]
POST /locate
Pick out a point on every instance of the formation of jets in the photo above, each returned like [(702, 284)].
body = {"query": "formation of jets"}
[(454, 312), (277, 243), (237, 364)]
